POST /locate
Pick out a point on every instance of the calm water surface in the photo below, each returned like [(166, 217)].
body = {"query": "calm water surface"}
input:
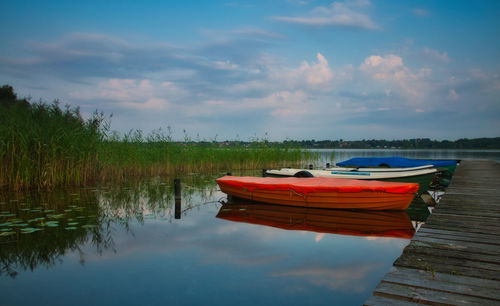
[(338, 155), (122, 244)]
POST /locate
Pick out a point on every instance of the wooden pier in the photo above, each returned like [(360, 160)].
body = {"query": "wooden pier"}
[(454, 258)]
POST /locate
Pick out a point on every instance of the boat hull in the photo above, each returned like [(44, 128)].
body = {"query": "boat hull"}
[(282, 192)]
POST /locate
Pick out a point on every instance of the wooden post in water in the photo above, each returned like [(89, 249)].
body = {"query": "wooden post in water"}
[(177, 191), (310, 167), (264, 172)]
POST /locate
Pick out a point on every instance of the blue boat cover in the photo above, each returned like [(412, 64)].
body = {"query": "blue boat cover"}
[(395, 162)]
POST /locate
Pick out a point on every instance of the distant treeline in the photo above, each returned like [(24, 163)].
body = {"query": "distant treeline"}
[(417, 143)]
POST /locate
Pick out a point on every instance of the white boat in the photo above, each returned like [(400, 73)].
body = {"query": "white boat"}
[(422, 176)]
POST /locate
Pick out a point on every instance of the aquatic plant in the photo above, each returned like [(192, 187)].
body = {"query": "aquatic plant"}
[(43, 146)]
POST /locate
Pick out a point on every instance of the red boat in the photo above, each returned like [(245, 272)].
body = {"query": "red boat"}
[(321, 192)]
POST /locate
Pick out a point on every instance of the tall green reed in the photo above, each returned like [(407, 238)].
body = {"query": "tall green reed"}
[(43, 146)]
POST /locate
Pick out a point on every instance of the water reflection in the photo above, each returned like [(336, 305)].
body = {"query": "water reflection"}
[(394, 224), (123, 245), (40, 228)]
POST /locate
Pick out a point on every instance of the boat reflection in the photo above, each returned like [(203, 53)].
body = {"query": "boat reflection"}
[(395, 224)]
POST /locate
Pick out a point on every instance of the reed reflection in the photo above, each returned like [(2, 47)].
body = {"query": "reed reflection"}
[(38, 229)]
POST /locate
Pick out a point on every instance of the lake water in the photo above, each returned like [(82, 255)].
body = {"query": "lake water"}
[(337, 155), (122, 244)]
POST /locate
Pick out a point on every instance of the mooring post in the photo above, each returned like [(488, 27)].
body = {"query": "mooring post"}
[(177, 191), (327, 165), (228, 173), (264, 172), (310, 167)]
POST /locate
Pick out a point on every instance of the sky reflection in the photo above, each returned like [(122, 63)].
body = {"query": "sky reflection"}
[(151, 258)]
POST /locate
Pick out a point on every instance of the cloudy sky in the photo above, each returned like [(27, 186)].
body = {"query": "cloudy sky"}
[(282, 69)]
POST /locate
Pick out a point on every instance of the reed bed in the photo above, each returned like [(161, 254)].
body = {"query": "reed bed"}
[(43, 146)]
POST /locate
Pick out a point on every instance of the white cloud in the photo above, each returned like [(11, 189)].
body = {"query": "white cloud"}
[(435, 55), (127, 93), (348, 278), (318, 73), (420, 12), (391, 70), (341, 14), (452, 94)]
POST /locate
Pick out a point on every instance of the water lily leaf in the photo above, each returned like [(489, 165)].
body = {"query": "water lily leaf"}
[(5, 234), (8, 215), (29, 230), (56, 216), (69, 228), (73, 223), (89, 226), (8, 229)]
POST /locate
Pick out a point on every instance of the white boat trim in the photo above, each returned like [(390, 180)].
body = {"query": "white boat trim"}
[(358, 175)]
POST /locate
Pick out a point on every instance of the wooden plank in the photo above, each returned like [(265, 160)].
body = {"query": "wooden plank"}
[(376, 300), (427, 296), (470, 198), (461, 236), (448, 265), (460, 211), (433, 250), (458, 228), (465, 190), (460, 245), (436, 280), (442, 286), (490, 220)]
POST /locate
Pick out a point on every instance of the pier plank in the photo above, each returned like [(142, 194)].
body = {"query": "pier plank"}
[(427, 296)]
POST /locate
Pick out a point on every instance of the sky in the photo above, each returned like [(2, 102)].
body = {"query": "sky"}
[(283, 69)]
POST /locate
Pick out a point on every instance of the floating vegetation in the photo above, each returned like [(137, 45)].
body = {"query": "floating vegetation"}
[(29, 230), (56, 216), (6, 234), (20, 224), (71, 228)]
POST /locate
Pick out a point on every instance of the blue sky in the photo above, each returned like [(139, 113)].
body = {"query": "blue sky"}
[(284, 69)]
